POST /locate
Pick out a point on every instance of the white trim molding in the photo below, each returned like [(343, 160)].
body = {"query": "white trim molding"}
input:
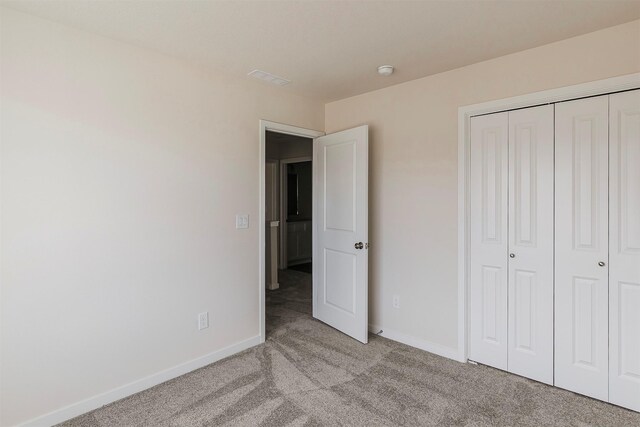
[(600, 87), (265, 126), (95, 402), (419, 343)]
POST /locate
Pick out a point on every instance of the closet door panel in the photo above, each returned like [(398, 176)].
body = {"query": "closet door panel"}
[(581, 246), (624, 249), (530, 289), (488, 260)]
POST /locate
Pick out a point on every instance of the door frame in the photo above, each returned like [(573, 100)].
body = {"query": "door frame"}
[(583, 90), (282, 171), (264, 126)]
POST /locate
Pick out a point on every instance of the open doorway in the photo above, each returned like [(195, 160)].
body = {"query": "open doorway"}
[(288, 238), (289, 225), (336, 292)]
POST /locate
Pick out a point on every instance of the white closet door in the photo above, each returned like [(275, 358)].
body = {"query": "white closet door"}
[(581, 284), (624, 250), (530, 289), (488, 240)]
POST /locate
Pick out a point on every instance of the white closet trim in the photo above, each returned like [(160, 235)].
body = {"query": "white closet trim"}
[(600, 87)]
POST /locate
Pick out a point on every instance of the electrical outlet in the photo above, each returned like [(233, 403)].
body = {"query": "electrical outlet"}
[(203, 320), (396, 301)]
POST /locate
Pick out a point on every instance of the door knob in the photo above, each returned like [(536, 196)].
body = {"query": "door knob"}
[(601, 264), (359, 245), (512, 255)]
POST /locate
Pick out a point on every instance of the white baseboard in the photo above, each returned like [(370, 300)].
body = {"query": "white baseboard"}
[(439, 349), (84, 406)]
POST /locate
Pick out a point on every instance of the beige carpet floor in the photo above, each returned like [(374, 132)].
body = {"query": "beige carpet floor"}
[(308, 374)]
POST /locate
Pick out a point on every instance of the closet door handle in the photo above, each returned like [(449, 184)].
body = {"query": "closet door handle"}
[(512, 255), (601, 264)]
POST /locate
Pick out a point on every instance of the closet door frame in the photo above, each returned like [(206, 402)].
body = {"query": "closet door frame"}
[(600, 87)]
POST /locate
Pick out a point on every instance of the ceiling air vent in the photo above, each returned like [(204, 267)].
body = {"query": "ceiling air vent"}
[(267, 77)]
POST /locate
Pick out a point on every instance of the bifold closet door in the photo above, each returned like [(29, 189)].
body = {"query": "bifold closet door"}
[(488, 240), (530, 289), (624, 249), (581, 246), (512, 242)]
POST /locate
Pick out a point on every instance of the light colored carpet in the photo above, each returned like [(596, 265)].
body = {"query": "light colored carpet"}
[(308, 374)]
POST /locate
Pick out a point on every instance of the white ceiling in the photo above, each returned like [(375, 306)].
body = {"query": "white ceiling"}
[(331, 49)]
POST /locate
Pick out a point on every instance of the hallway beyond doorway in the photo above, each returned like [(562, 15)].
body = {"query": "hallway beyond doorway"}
[(305, 268)]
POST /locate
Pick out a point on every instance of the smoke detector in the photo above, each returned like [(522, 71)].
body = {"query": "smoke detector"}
[(385, 70)]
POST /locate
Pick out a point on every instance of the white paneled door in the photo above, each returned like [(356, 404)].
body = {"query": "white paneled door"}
[(530, 277), (488, 263), (582, 247), (554, 240), (511, 280), (624, 249), (340, 238)]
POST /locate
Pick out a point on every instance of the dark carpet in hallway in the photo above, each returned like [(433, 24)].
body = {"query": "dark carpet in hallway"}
[(308, 374)]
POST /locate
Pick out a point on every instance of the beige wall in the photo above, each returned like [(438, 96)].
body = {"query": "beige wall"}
[(122, 172), (413, 167)]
